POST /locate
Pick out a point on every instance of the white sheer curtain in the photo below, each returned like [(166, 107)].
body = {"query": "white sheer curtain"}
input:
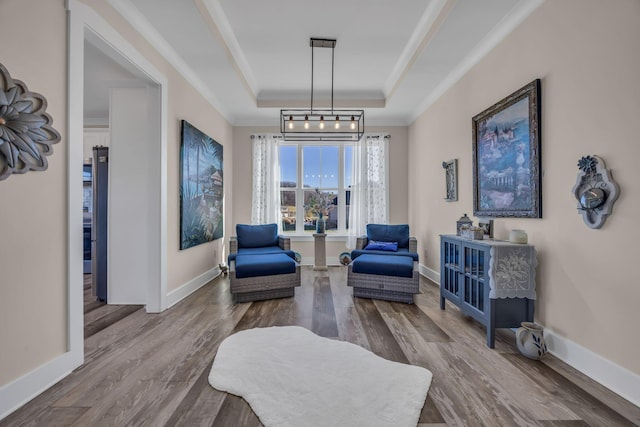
[(369, 196), (265, 205)]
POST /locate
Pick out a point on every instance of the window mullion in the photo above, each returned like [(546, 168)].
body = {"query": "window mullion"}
[(341, 192), (299, 191)]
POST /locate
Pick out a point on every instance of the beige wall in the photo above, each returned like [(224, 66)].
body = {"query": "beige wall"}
[(242, 183), (584, 51), (33, 288), (184, 103), (587, 55), (33, 248)]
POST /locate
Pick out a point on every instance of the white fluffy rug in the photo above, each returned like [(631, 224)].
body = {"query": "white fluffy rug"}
[(292, 377)]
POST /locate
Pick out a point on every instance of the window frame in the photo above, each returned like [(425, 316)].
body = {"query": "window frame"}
[(300, 189)]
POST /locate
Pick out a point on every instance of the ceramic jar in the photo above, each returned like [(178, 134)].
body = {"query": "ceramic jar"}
[(530, 340), (518, 236), (463, 224)]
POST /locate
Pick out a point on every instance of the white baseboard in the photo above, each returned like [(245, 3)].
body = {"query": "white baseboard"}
[(616, 378), (191, 286), (21, 390), (429, 273)]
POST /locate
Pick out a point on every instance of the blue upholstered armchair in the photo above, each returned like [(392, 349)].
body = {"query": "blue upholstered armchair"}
[(385, 264), (261, 264)]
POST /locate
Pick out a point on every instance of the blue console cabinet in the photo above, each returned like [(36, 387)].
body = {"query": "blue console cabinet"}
[(490, 280)]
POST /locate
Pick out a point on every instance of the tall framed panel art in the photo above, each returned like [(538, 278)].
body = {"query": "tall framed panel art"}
[(201, 187)]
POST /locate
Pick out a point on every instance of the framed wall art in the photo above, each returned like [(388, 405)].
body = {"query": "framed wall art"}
[(201, 188), (486, 225), (506, 156)]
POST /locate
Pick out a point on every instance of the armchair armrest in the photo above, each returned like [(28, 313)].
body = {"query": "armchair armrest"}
[(233, 245), (413, 244), (284, 242), (361, 242)]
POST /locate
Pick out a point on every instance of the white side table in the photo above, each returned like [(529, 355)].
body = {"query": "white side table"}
[(320, 253)]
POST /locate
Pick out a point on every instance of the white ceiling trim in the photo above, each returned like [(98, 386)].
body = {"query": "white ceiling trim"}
[(514, 18), (137, 20), (422, 35), (219, 19)]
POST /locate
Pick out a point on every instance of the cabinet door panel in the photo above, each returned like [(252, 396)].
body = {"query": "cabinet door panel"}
[(451, 268)]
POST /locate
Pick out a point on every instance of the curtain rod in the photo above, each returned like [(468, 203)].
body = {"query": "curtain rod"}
[(253, 136)]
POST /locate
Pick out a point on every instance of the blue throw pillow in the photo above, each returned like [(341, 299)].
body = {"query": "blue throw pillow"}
[(256, 236), (382, 246)]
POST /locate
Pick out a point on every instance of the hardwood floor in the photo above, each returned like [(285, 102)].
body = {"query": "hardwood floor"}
[(152, 369), (98, 315)]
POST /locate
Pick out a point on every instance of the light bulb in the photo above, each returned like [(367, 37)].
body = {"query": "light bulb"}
[(321, 125), (306, 122), (290, 122), (337, 125), (353, 122)]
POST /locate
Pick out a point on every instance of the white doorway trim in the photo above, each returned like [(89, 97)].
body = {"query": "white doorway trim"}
[(85, 23)]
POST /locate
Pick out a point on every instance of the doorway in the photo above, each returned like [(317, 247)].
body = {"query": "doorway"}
[(121, 116)]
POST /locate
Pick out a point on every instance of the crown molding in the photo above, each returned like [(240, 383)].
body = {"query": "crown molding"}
[(220, 27), (428, 25), (517, 15), (137, 20)]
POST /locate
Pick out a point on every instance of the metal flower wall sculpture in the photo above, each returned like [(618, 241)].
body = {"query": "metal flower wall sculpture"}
[(26, 134)]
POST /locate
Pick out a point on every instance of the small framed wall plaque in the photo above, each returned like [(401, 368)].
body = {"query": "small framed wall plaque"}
[(451, 176), (487, 227)]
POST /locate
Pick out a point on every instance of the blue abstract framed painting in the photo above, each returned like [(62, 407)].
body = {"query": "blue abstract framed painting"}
[(506, 157), (201, 188)]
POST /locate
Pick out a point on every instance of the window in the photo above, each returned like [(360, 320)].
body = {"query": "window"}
[(305, 167)]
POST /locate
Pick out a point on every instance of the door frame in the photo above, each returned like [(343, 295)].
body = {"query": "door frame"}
[(86, 24)]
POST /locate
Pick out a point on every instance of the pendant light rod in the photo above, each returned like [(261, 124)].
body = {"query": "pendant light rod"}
[(322, 124), (333, 52), (312, 49), (330, 43)]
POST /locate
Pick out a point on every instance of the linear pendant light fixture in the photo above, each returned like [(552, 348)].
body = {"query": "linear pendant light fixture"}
[(322, 124)]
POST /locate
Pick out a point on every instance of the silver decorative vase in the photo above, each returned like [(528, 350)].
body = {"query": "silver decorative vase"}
[(530, 340)]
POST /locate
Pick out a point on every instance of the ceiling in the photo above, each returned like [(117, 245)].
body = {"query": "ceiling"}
[(250, 58)]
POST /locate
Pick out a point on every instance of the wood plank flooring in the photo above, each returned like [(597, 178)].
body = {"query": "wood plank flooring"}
[(151, 369), (98, 315)]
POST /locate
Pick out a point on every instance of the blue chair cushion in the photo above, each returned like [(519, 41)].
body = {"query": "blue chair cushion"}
[(400, 252), (264, 265), (389, 233), (261, 251), (382, 246), (255, 236), (383, 265)]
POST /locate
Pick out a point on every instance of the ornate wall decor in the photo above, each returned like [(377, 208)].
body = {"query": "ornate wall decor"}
[(595, 191), (451, 174), (26, 134)]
